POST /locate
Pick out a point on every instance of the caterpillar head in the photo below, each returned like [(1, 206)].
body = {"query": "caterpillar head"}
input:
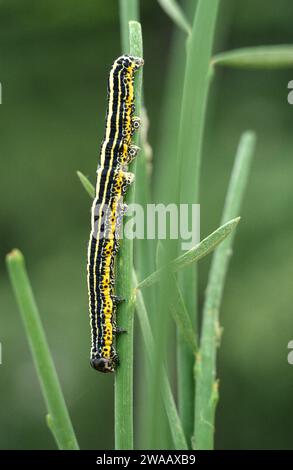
[(137, 62), (131, 61), (103, 364)]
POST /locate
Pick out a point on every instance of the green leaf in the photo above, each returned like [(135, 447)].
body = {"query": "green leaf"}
[(175, 12), (195, 254), (88, 186), (262, 57)]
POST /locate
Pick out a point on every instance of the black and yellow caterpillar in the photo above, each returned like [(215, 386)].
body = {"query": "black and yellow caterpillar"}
[(117, 151)]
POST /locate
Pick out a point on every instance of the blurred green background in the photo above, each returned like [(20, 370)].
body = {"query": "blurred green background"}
[(54, 61)]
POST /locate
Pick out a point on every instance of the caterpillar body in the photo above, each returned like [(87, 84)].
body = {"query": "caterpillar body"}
[(117, 151)]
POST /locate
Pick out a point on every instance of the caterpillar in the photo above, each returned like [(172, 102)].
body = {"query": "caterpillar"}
[(117, 151)]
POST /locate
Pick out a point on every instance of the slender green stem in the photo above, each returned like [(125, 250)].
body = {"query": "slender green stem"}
[(195, 254), (128, 11), (59, 420), (166, 152), (124, 373), (169, 403), (205, 369), (167, 168), (195, 92), (161, 324)]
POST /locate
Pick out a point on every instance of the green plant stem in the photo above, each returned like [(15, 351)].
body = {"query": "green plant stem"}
[(205, 368), (166, 153), (128, 11), (169, 403), (160, 323), (125, 314), (59, 420), (195, 254), (195, 92)]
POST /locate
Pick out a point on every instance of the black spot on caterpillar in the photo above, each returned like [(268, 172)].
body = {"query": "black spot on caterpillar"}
[(117, 151)]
